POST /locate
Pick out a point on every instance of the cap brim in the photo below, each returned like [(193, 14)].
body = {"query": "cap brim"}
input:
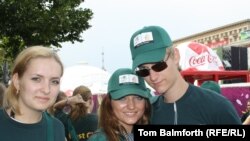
[(149, 57), (125, 92)]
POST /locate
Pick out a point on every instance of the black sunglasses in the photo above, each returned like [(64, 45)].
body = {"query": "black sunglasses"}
[(157, 67)]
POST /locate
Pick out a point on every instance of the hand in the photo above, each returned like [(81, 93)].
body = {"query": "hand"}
[(77, 99), (72, 101)]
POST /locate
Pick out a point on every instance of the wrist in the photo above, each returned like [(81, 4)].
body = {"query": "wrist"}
[(67, 108), (67, 101)]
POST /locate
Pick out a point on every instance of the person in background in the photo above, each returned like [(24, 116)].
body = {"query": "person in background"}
[(79, 122), (157, 61), (61, 96), (125, 105), (2, 92), (246, 114), (86, 94), (34, 86), (211, 85), (246, 121)]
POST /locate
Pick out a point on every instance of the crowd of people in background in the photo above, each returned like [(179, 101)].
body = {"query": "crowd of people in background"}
[(33, 101)]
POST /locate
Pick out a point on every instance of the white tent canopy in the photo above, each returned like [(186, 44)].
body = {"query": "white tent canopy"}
[(83, 74)]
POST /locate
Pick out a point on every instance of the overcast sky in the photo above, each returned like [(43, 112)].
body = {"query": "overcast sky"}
[(114, 22)]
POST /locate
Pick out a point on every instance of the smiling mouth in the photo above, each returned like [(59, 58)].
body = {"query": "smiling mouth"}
[(131, 113)]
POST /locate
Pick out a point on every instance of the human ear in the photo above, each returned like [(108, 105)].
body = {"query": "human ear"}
[(176, 56), (16, 81)]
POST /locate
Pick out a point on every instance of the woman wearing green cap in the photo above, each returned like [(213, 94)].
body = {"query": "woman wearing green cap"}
[(125, 105)]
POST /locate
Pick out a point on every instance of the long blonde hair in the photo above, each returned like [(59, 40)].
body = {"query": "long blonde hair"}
[(20, 66)]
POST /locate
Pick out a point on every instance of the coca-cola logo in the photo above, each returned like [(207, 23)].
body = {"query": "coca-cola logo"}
[(201, 60)]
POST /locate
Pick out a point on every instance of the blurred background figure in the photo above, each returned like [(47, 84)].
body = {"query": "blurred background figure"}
[(2, 91), (211, 85), (247, 112), (76, 114), (51, 110)]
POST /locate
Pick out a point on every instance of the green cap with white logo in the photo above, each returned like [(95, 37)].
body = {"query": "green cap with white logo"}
[(124, 82), (148, 45)]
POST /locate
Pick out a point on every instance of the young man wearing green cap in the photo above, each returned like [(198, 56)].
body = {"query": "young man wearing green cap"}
[(125, 105), (157, 62)]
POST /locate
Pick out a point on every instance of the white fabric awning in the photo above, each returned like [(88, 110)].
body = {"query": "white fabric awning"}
[(94, 78)]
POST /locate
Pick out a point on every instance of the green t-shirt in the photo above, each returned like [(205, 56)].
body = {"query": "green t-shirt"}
[(84, 126), (198, 106), (12, 130), (100, 135)]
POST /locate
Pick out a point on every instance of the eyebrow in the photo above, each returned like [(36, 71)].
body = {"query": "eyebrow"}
[(50, 78)]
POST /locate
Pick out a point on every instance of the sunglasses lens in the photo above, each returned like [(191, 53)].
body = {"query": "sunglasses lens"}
[(142, 72), (160, 66)]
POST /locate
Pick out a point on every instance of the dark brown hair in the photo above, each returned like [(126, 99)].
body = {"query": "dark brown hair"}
[(108, 120)]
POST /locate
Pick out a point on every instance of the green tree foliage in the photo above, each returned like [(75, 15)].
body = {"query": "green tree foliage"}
[(25, 23), (47, 22)]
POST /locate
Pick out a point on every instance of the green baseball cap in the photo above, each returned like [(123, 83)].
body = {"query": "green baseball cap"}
[(124, 82), (212, 85), (148, 45)]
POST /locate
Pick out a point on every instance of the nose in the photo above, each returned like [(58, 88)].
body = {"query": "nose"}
[(46, 87), (153, 75), (131, 103)]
